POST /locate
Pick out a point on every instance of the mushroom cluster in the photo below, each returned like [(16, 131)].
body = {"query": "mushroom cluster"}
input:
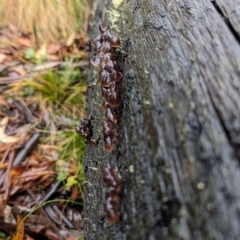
[(86, 130), (109, 77), (113, 187)]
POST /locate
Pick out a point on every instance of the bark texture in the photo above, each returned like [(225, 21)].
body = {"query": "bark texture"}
[(178, 147)]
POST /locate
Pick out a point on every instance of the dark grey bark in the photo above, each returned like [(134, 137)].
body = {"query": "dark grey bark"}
[(178, 147)]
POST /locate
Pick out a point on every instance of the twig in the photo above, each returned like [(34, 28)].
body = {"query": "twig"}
[(22, 107), (7, 181), (51, 192), (26, 149), (64, 219)]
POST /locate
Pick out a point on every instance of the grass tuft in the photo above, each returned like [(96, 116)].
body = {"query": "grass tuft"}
[(47, 19), (62, 95)]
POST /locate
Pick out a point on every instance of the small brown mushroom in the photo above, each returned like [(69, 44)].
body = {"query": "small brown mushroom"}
[(112, 96), (112, 115), (97, 43), (111, 179), (106, 48), (116, 76), (105, 78), (111, 211), (109, 136), (109, 77), (96, 60), (113, 187), (106, 58), (101, 60), (113, 40), (86, 130), (111, 66)]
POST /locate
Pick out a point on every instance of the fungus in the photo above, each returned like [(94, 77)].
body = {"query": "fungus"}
[(105, 78), (112, 115), (96, 60), (111, 211), (112, 96), (109, 77), (113, 187), (106, 58), (111, 66), (111, 179), (116, 76), (114, 41), (85, 129), (106, 48), (101, 60), (97, 43), (109, 136)]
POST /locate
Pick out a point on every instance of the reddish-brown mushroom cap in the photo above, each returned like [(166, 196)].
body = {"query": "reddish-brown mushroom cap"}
[(115, 42), (111, 204), (104, 78), (111, 211), (112, 217), (111, 193), (112, 65), (110, 177), (112, 96), (114, 99), (105, 105), (109, 136), (108, 143), (108, 130), (106, 48), (96, 60), (106, 58), (112, 115), (86, 130), (116, 76), (97, 43)]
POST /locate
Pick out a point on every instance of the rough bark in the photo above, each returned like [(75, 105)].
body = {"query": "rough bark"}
[(179, 134)]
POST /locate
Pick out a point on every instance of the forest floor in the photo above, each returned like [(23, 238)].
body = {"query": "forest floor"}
[(42, 99)]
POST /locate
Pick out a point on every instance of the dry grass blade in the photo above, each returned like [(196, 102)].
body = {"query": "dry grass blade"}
[(19, 234)]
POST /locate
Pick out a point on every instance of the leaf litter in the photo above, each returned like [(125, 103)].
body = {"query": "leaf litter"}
[(32, 171)]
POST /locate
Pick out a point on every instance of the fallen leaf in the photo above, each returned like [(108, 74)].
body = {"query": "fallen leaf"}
[(13, 29), (19, 234), (3, 165), (3, 137), (71, 181), (3, 102), (2, 67), (24, 41), (2, 57), (6, 32), (70, 39), (53, 58), (4, 50), (53, 49), (18, 70)]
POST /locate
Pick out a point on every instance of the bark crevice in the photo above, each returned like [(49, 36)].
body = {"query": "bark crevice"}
[(227, 21)]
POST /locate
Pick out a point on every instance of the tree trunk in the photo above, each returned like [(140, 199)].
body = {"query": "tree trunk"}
[(178, 145)]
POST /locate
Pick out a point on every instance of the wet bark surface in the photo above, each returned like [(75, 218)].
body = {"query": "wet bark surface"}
[(178, 146)]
